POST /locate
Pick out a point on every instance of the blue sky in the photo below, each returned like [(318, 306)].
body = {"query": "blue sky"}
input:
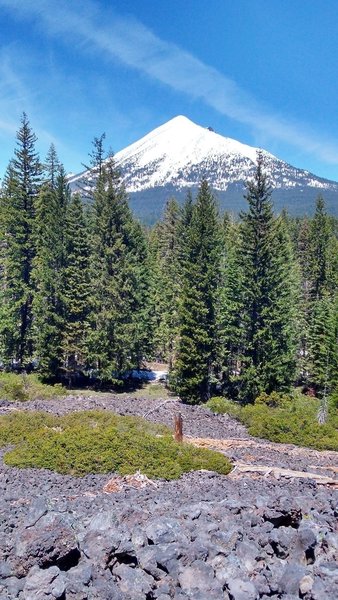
[(261, 71)]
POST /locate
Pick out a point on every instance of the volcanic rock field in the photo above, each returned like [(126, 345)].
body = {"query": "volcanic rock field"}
[(266, 531)]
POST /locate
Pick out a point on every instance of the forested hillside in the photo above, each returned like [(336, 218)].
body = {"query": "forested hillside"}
[(235, 308)]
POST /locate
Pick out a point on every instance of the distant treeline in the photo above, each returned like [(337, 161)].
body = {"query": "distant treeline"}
[(237, 308)]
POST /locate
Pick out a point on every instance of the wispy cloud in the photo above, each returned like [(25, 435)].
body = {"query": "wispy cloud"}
[(16, 96), (128, 41)]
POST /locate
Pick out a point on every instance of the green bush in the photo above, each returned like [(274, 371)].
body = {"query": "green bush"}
[(16, 386), (284, 419), (100, 442), (222, 406), (273, 400)]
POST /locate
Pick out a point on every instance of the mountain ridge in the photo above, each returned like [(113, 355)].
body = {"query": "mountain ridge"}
[(174, 157)]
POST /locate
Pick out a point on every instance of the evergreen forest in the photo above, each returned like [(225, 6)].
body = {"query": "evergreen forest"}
[(236, 307)]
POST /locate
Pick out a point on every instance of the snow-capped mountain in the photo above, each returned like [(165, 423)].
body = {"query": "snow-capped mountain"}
[(175, 157)]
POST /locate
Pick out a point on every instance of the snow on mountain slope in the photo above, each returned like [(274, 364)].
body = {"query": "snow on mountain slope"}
[(172, 151), (178, 154)]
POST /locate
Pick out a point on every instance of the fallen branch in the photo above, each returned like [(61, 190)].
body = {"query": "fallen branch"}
[(231, 443), (325, 468), (118, 483), (159, 406), (277, 472), (265, 471)]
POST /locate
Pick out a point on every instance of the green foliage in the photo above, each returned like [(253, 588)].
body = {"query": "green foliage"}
[(273, 400), (23, 387), (270, 297), (17, 220), (119, 316), (282, 419), (323, 345), (196, 355), (100, 442), (48, 271), (164, 246), (230, 306), (77, 286), (223, 406)]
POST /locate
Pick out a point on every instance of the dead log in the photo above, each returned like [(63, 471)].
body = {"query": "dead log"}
[(277, 472), (159, 406)]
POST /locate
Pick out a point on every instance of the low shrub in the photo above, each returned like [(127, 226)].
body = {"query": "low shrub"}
[(273, 400), (19, 386), (222, 406), (284, 419), (100, 442)]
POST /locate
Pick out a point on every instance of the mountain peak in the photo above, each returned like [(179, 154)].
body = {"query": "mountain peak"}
[(175, 148), (175, 156)]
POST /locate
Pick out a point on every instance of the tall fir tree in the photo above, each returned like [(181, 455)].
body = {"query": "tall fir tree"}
[(320, 235), (166, 283), (77, 288), (303, 255), (323, 361), (18, 211), (194, 366), (94, 169), (119, 279), (268, 359), (52, 167), (230, 307), (48, 274)]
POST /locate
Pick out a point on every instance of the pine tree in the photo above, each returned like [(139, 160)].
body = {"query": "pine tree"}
[(48, 274), (52, 167), (183, 231), (320, 237), (193, 369), (166, 283), (97, 157), (230, 310), (269, 294), (77, 287), (304, 262), (323, 301), (323, 344), (119, 290), (21, 187)]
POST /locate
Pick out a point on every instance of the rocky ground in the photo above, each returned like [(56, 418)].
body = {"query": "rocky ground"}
[(250, 535)]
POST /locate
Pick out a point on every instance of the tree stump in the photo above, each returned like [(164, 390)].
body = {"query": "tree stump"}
[(178, 428)]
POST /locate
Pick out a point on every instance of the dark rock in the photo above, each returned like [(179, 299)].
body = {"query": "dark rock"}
[(14, 586), (242, 590), (98, 546), (78, 577), (306, 543), (284, 515), (226, 542), (5, 569), (46, 545), (199, 578), (247, 553), (42, 583), (291, 578), (134, 582), (164, 531), (37, 510), (161, 559), (282, 541)]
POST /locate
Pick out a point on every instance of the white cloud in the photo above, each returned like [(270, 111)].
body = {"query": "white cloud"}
[(16, 97), (128, 41)]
